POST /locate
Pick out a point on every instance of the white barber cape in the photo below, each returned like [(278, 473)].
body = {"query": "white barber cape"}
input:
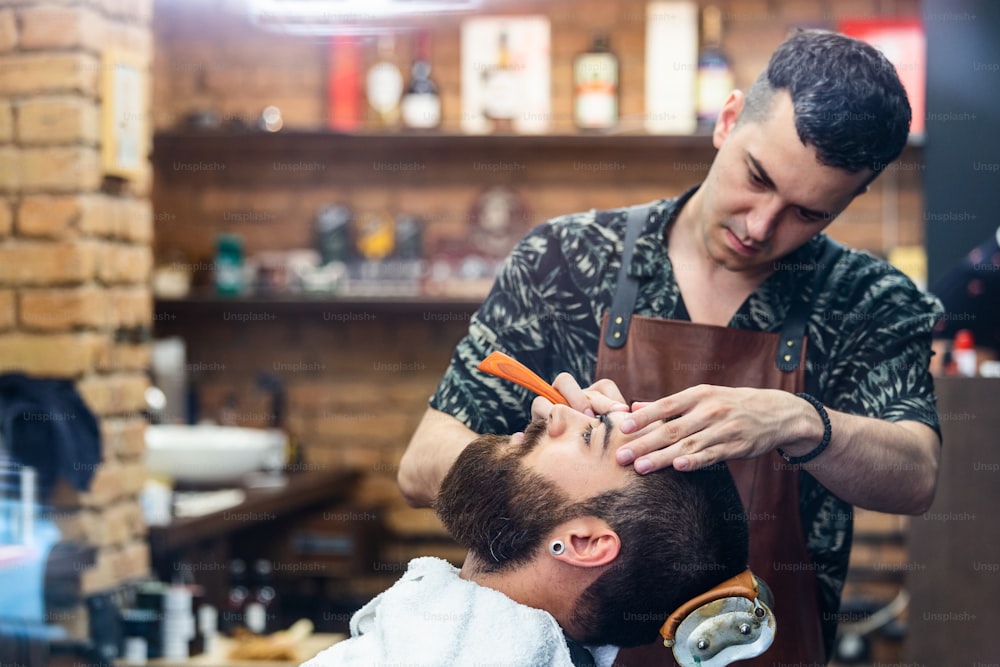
[(433, 618)]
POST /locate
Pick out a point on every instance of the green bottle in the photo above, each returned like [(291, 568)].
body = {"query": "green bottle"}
[(229, 265)]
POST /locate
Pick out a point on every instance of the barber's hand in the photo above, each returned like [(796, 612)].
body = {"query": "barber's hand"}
[(708, 424), (600, 397)]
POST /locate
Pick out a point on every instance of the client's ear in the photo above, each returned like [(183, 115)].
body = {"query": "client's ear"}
[(587, 542)]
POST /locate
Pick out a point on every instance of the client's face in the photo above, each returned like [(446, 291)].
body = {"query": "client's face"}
[(505, 495)]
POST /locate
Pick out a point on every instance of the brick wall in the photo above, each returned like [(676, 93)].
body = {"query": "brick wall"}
[(357, 385), (75, 254)]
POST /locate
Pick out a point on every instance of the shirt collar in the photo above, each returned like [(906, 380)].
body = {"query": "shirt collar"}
[(650, 247)]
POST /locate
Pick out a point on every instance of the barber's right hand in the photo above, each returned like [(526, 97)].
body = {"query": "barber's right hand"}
[(601, 397)]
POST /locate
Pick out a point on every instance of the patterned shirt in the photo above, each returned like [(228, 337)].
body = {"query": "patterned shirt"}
[(868, 340)]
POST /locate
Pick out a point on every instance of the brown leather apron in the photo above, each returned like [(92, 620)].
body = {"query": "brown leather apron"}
[(650, 358)]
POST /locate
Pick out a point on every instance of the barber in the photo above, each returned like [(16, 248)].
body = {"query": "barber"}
[(727, 315)]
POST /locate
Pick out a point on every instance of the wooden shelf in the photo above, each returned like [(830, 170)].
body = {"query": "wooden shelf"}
[(329, 143), (294, 158), (301, 492), (310, 303), (322, 141), (426, 159)]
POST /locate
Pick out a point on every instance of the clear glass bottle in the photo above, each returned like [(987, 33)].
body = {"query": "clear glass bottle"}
[(421, 105), (261, 609), (233, 613), (500, 88), (595, 86), (384, 85), (715, 75)]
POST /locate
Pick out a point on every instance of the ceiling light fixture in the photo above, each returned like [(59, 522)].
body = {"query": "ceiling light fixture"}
[(345, 17)]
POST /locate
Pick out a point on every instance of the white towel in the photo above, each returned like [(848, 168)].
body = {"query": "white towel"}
[(433, 618)]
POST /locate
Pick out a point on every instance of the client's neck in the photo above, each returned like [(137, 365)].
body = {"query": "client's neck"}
[(532, 585)]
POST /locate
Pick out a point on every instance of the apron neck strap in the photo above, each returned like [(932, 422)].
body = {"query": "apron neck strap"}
[(627, 288), (793, 331)]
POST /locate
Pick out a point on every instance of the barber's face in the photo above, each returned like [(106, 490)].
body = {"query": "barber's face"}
[(766, 193), (504, 495)]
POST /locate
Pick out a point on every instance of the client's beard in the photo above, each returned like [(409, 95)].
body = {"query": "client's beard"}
[(496, 508)]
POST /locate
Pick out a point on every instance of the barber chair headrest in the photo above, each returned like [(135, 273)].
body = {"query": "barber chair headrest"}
[(730, 622)]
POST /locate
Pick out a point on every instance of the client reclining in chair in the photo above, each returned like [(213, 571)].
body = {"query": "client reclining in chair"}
[(567, 549)]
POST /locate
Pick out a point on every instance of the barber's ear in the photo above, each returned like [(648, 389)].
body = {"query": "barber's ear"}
[(587, 542), (728, 115)]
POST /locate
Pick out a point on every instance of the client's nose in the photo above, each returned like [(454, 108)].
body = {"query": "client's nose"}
[(561, 418)]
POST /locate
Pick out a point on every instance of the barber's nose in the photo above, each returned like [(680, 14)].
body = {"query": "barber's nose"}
[(762, 220), (561, 418)]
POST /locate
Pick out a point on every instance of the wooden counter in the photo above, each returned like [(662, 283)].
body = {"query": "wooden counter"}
[(218, 657), (953, 574), (202, 546), (301, 492)]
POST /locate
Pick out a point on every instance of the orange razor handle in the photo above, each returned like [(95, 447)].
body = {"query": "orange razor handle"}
[(503, 366)]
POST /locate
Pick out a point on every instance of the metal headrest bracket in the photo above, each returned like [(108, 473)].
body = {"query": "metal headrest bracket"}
[(730, 622)]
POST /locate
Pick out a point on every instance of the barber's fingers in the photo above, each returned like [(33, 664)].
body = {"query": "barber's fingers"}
[(605, 396), (645, 413), (706, 426), (601, 397), (574, 394)]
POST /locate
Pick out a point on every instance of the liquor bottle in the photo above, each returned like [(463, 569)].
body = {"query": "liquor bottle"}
[(964, 353), (344, 92), (595, 84), (500, 88), (384, 85), (229, 265), (375, 235), (715, 76), (421, 106), (333, 233), (236, 599), (261, 610)]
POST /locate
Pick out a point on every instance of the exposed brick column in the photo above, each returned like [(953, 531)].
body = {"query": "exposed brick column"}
[(75, 253)]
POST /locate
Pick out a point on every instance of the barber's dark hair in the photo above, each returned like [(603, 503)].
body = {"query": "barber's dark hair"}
[(849, 102), (681, 534)]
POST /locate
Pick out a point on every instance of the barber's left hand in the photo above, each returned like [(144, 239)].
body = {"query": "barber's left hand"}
[(709, 424)]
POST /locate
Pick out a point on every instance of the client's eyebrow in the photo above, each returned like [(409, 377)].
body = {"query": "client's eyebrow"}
[(607, 432)]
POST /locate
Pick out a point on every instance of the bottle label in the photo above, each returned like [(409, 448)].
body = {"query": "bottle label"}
[(596, 76), (384, 86), (715, 82), (596, 110), (501, 94), (228, 276), (421, 110), (256, 618)]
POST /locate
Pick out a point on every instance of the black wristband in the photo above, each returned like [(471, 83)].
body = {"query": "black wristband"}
[(827, 433)]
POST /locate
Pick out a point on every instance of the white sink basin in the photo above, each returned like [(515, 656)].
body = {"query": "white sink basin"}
[(211, 454)]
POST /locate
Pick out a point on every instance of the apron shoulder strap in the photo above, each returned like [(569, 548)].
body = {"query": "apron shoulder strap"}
[(627, 287), (793, 331)]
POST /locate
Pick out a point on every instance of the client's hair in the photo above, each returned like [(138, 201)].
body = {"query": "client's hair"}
[(681, 534)]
